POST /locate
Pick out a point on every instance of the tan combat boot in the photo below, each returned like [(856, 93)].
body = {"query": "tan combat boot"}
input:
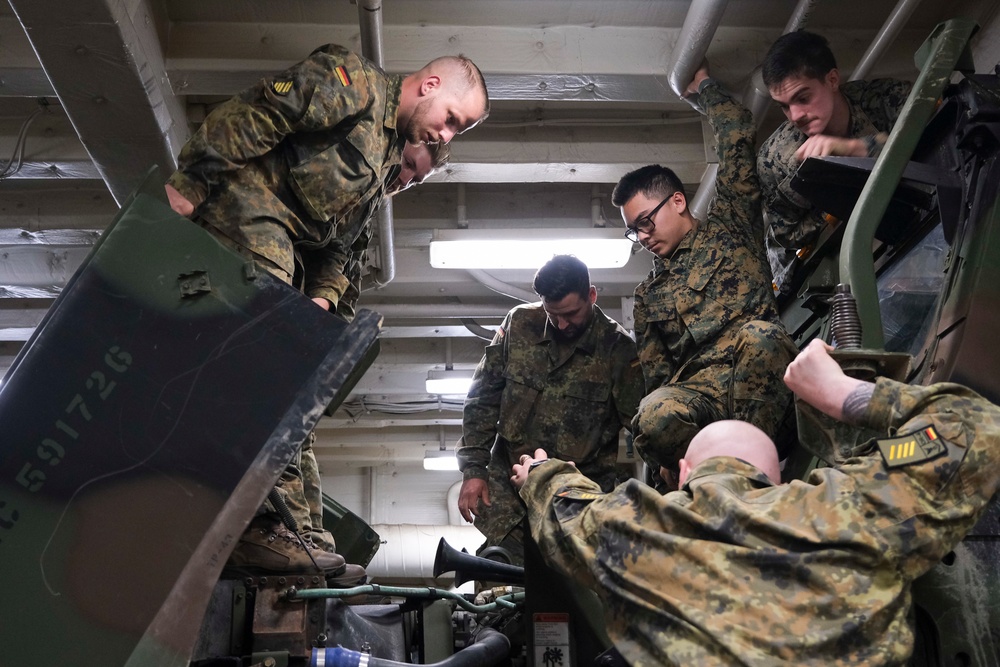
[(353, 575), (268, 547)]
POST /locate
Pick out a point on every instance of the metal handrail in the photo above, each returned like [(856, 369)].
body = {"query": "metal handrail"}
[(941, 53)]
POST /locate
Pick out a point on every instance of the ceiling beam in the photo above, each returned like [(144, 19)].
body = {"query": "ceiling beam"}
[(45, 170), (626, 89), (457, 171), (559, 172), (107, 69), (25, 82)]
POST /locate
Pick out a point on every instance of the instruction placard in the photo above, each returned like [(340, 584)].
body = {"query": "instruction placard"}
[(552, 640)]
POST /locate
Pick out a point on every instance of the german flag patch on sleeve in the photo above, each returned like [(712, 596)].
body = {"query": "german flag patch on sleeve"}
[(916, 447), (342, 75), (282, 87)]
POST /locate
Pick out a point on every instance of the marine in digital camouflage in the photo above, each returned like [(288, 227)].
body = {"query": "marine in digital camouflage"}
[(283, 168), (793, 223), (731, 570), (707, 328), (530, 391)]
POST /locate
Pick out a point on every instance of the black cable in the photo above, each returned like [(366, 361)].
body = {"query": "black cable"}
[(290, 523)]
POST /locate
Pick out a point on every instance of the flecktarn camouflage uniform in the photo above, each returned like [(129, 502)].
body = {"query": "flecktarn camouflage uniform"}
[(292, 168), (731, 570), (531, 391), (707, 328), (297, 162), (793, 224)]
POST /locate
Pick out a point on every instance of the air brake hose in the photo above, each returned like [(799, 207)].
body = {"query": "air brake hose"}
[(491, 648)]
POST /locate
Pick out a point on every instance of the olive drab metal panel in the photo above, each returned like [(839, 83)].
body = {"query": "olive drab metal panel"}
[(141, 428)]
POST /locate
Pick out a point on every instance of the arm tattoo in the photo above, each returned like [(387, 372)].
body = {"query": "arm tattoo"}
[(857, 402)]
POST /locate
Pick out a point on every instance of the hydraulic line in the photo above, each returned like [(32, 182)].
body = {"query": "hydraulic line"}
[(511, 601), (491, 648)]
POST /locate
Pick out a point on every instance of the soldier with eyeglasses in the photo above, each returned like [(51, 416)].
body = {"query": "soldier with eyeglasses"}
[(706, 324)]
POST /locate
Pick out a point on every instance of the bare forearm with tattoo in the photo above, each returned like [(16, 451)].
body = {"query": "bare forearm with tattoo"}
[(857, 402)]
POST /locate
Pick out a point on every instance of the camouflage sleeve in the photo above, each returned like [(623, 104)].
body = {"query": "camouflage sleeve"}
[(788, 214), (309, 96), (628, 387), (325, 272), (482, 407), (561, 514), (347, 306), (328, 270), (737, 190), (654, 357), (883, 100), (930, 482)]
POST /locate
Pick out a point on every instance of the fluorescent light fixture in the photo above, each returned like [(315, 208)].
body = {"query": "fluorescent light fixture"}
[(449, 382), (440, 459), (527, 248)]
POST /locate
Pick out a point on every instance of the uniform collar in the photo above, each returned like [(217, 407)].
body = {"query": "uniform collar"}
[(685, 245), (858, 124), (727, 465), (392, 94)]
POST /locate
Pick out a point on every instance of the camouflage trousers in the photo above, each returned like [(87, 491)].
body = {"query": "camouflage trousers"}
[(751, 389), (299, 484), (300, 487), (508, 549)]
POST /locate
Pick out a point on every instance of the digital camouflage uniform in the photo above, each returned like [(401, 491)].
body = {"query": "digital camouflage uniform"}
[(792, 221), (731, 570), (707, 328), (530, 391), (291, 170)]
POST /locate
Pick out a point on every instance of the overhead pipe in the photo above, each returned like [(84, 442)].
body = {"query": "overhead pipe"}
[(885, 37), (370, 20), (799, 17), (408, 550), (500, 287), (756, 99), (461, 209), (596, 210), (699, 27), (478, 330)]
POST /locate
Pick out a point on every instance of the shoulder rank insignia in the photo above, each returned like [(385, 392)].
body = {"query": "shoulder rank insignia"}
[(281, 87), (342, 75), (575, 494), (916, 447)]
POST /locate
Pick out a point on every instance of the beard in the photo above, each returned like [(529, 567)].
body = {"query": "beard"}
[(417, 127), (572, 333)]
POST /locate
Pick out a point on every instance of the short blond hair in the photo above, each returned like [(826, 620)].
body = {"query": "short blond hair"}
[(471, 76)]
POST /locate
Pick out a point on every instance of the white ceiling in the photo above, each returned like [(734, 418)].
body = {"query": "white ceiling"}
[(580, 94)]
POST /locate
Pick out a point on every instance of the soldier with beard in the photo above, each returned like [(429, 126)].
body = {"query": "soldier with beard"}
[(559, 374), (283, 172)]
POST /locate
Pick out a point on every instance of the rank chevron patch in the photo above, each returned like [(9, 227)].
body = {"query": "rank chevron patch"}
[(282, 87), (916, 447)]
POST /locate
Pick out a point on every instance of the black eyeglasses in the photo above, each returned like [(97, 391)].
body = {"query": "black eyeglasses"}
[(645, 224)]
